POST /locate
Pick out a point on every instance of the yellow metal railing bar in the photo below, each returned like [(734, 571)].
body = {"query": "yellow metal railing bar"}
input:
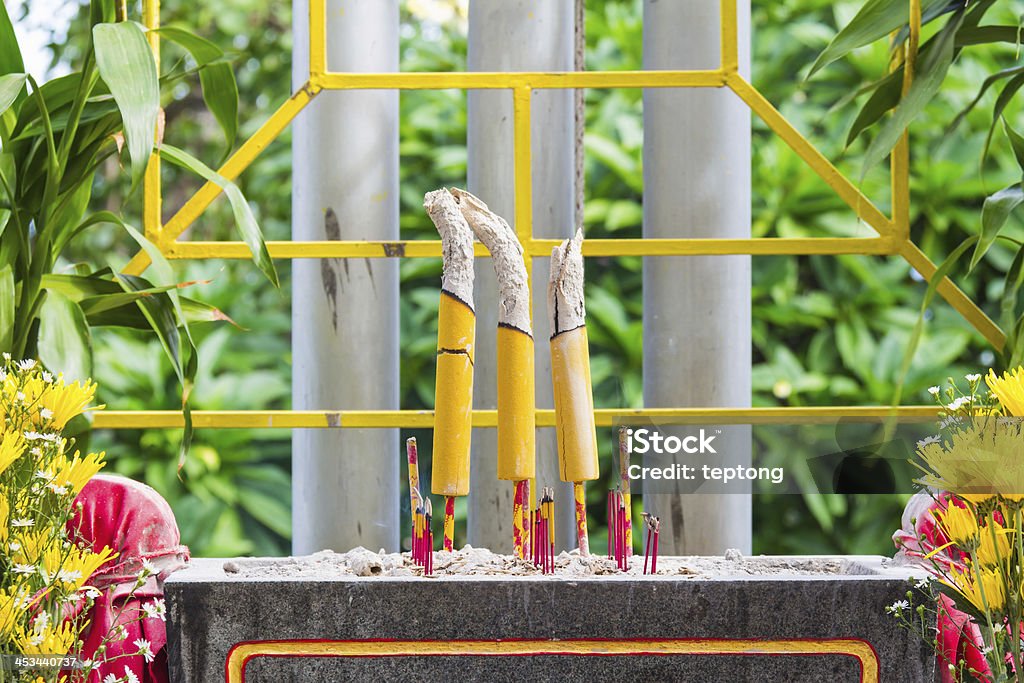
[(424, 419), (542, 247), (893, 233), (152, 197)]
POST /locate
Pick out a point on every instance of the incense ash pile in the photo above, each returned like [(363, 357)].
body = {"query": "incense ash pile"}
[(470, 562)]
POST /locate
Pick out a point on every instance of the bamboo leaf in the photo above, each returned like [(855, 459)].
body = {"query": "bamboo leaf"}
[(1011, 287), (1016, 142), (220, 90), (915, 336), (126, 65), (10, 53), (876, 19), (929, 77), (7, 299), (245, 221), (65, 344), (996, 209), (985, 85), (1005, 96), (11, 86), (883, 99)]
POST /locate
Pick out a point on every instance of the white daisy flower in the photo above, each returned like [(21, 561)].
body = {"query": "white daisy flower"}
[(897, 607), (41, 621), (47, 377), (934, 391), (156, 609), (923, 583), (58, 490), (972, 378), (20, 396), (929, 440), (23, 569), (23, 522), (27, 364), (129, 676), (69, 576), (145, 649), (91, 593), (148, 568), (958, 403), (110, 678), (45, 475), (45, 413), (14, 546)]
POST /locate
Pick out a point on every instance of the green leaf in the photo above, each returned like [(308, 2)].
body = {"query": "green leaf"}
[(126, 65), (10, 53), (985, 85), (65, 344), (11, 85), (876, 19), (883, 99), (7, 299), (245, 221), (994, 212), (930, 74), (915, 336), (1011, 286), (1005, 96), (220, 90), (1016, 142)]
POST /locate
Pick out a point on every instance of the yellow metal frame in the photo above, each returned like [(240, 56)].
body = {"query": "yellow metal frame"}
[(893, 233), (860, 650)]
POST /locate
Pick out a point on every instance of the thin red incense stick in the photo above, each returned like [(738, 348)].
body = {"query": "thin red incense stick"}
[(518, 533), (623, 554), (654, 556), (647, 546), (611, 526), (449, 523), (526, 528)]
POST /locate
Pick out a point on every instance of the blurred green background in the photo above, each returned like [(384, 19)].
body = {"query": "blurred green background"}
[(826, 330)]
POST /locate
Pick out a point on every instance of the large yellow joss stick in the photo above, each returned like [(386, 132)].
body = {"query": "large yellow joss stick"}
[(456, 338), (627, 500), (570, 376), (516, 400)]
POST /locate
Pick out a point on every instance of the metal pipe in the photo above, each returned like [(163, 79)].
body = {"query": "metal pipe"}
[(697, 344), (345, 312), (523, 35)]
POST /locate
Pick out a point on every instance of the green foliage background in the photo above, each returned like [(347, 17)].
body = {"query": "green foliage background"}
[(827, 330)]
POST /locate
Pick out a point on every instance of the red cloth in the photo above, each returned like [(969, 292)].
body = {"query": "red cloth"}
[(138, 524), (919, 534)]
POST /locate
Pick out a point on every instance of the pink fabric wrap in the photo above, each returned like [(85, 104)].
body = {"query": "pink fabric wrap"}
[(138, 524), (919, 534)]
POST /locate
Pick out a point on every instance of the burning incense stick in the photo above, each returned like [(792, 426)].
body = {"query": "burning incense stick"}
[(456, 340), (516, 394), (653, 525), (570, 376), (414, 472), (521, 501), (429, 541), (624, 483), (449, 523)]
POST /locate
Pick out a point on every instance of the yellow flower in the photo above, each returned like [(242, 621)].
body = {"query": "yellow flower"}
[(5, 513), (959, 524), (11, 448), (978, 462), (991, 553), (75, 474), (991, 584), (11, 605), (53, 638), (65, 401), (1009, 389), (71, 567)]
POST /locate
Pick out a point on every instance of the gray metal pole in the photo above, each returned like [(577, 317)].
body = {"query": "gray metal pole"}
[(345, 483), (518, 35), (697, 344)]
